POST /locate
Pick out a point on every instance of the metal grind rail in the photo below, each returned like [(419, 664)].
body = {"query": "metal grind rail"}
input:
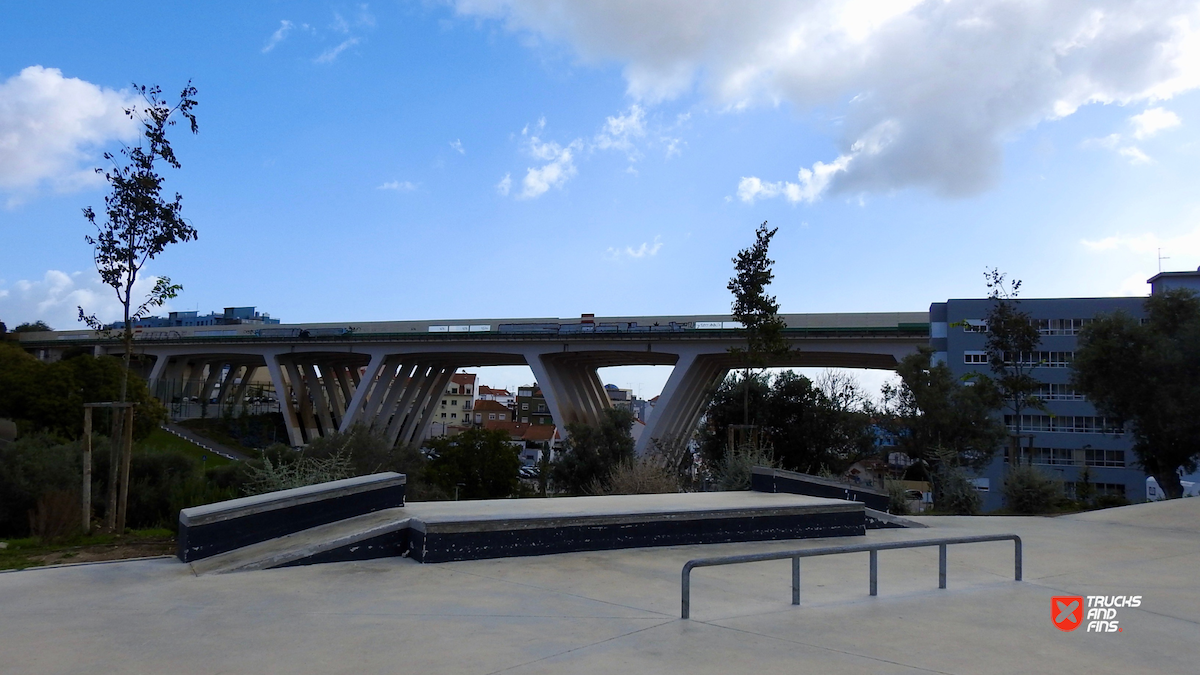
[(873, 549)]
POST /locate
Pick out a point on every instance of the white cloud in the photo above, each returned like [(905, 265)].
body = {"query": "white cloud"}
[(620, 132), (646, 250), (278, 36), (1114, 142), (51, 128), (458, 146), (505, 185), (559, 165), (1147, 242), (399, 186), (331, 54), (1152, 121), (1134, 155), (956, 79), (55, 297)]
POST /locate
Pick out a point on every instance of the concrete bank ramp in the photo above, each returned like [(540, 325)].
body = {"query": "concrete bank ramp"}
[(372, 535), (1172, 514)]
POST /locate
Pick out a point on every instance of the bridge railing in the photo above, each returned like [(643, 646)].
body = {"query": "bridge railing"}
[(872, 549)]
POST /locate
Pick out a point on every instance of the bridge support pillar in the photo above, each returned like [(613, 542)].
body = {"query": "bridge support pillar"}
[(682, 400)]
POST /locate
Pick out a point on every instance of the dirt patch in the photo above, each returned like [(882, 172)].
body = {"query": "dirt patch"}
[(99, 552)]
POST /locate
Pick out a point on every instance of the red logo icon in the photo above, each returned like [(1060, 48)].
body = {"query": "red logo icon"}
[(1066, 611)]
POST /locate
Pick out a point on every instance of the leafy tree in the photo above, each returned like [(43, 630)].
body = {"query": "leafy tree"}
[(1148, 376), (483, 462), (592, 452), (937, 418), (49, 397), (3, 329), (1011, 338), (726, 406), (139, 222), (38, 326), (755, 310), (808, 425)]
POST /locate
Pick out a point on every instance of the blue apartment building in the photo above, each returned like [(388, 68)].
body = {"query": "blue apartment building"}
[(1069, 434)]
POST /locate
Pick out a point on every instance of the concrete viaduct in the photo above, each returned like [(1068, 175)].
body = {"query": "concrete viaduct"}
[(390, 376)]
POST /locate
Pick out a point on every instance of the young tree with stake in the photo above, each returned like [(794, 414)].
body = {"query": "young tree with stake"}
[(137, 222)]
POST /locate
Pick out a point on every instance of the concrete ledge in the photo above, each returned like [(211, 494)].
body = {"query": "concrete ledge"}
[(764, 479), (879, 520), (453, 531), (212, 529)]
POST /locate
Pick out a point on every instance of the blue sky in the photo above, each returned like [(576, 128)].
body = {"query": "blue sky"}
[(519, 159)]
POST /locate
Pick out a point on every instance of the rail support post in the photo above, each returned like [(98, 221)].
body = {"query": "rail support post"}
[(796, 580), (874, 572), (942, 566)]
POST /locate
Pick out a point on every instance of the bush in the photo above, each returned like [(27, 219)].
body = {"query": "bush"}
[(955, 493), (897, 498), (31, 467), (734, 470), (283, 469), (1029, 491), (636, 477)]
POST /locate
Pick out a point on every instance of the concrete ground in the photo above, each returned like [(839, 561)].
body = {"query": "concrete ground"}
[(618, 611)]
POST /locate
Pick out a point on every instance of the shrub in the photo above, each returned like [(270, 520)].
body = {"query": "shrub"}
[(636, 477), (1029, 491), (897, 498), (56, 516), (734, 470), (955, 493), (278, 471), (30, 467)]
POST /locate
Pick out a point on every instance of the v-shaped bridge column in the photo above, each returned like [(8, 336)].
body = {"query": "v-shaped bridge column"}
[(682, 400), (571, 386)]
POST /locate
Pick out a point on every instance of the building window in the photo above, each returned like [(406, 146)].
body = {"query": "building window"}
[(541, 407), (443, 415), (1042, 359), (524, 420), (478, 417), (1113, 458), (974, 326), (975, 357), (454, 390), (1058, 392), (454, 402), (502, 416), (491, 416), (1077, 424), (524, 406), (453, 416)]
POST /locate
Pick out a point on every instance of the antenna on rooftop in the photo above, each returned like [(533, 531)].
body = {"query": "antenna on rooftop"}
[(1161, 258)]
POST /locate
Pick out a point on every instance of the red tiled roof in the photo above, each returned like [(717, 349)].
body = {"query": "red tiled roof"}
[(487, 405), (463, 378)]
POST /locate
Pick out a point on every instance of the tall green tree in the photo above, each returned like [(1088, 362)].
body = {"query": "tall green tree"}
[(757, 311), (138, 221), (1012, 339), (480, 463), (1148, 375), (937, 418), (591, 452)]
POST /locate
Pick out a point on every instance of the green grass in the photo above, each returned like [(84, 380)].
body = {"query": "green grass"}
[(160, 441), (33, 552)]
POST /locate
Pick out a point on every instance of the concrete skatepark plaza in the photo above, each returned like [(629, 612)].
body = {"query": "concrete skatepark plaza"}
[(618, 611)]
